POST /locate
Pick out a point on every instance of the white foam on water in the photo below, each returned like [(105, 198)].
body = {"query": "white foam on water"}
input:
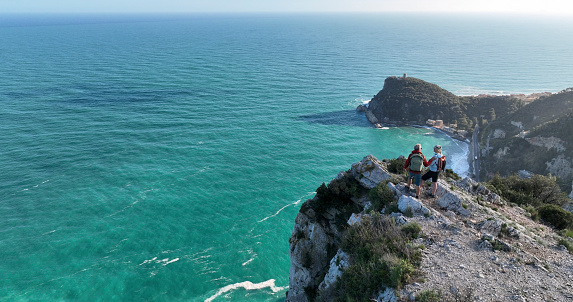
[(163, 262), (460, 163), (288, 205), (248, 286), (249, 261)]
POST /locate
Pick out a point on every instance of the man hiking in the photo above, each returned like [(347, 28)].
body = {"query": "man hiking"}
[(437, 164), (414, 164)]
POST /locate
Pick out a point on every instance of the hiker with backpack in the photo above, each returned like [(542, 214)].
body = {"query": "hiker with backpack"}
[(437, 164), (414, 164)]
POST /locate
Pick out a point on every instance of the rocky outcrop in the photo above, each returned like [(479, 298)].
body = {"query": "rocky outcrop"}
[(547, 142), (369, 172), (470, 237)]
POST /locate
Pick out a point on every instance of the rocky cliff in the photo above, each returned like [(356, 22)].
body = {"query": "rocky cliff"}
[(414, 101), (537, 138), (363, 238)]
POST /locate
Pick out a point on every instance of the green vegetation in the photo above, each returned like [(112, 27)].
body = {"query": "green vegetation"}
[(549, 117), (412, 230), (568, 245), (534, 191), (430, 295), (338, 195), (380, 196), (414, 100), (396, 165), (539, 195), (566, 233), (382, 255), (451, 174), (557, 216)]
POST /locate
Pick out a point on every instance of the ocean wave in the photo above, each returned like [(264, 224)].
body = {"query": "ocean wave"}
[(288, 205), (248, 286)]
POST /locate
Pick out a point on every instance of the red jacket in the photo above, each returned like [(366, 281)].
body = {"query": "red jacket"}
[(407, 164)]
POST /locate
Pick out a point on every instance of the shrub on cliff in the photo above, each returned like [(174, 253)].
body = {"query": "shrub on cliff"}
[(381, 256), (337, 194), (535, 191), (556, 216), (396, 165), (380, 196)]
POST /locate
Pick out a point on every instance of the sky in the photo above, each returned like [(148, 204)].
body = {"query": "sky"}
[(546, 7)]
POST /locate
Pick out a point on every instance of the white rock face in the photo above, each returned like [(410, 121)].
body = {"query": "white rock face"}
[(355, 219), (388, 295), (453, 202), (408, 202), (498, 133), (560, 166), (370, 172), (492, 227), (337, 265), (517, 124), (501, 152), (308, 254), (547, 142)]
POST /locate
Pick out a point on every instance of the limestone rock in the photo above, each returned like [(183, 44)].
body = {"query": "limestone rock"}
[(498, 133), (370, 172), (355, 219), (453, 202), (308, 252), (389, 295), (495, 199), (524, 174), (408, 202), (467, 184), (492, 227), (400, 219), (337, 265)]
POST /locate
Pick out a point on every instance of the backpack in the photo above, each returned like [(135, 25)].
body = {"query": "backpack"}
[(441, 163), (416, 162)]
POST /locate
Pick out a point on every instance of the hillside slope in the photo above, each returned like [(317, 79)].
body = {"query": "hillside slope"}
[(414, 101), (537, 138), (363, 239)]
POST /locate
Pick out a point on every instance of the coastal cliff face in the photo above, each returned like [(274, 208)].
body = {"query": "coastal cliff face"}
[(413, 101), (537, 138), (464, 244)]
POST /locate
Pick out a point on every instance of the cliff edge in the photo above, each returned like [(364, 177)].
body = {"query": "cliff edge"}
[(364, 238)]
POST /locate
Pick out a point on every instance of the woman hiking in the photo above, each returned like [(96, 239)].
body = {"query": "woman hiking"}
[(437, 164)]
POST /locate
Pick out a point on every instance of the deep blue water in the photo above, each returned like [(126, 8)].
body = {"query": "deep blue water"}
[(164, 158)]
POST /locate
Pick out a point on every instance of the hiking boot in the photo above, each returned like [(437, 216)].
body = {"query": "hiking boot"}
[(431, 195)]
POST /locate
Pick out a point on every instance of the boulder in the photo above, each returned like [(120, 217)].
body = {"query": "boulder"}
[(370, 172), (492, 227), (467, 184), (408, 202), (399, 218), (495, 199), (453, 202)]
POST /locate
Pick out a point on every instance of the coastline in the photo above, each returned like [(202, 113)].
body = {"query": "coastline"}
[(467, 141)]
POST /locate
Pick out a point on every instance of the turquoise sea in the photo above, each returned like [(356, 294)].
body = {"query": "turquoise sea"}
[(164, 158)]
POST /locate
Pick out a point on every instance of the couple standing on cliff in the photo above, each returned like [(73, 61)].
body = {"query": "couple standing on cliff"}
[(417, 161)]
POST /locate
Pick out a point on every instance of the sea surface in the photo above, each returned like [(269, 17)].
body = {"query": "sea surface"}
[(165, 157)]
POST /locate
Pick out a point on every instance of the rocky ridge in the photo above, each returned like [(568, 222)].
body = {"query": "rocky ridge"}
[(474, 242)]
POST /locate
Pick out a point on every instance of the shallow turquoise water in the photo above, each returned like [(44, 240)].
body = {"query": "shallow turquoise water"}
[(165, 158)]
